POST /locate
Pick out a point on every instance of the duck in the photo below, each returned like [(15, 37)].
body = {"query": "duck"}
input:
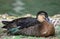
[(39, 26), (42, 29)]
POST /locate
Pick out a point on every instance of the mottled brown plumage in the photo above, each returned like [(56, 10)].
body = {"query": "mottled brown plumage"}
[(32, 26)]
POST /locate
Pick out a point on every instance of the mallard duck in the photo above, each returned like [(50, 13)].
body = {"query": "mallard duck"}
[(38, 26)]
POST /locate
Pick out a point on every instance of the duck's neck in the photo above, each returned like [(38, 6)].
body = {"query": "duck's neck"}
[(45, 23)]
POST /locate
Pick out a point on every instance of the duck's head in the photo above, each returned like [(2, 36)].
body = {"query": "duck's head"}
[(42, 16)]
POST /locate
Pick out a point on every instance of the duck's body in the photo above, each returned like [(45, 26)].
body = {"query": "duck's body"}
[(32, 26), (44, 29)]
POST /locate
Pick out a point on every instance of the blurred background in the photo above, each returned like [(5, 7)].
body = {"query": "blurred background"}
[(22, 7)]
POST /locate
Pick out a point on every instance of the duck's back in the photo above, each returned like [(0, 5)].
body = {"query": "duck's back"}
[(26, 22)]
